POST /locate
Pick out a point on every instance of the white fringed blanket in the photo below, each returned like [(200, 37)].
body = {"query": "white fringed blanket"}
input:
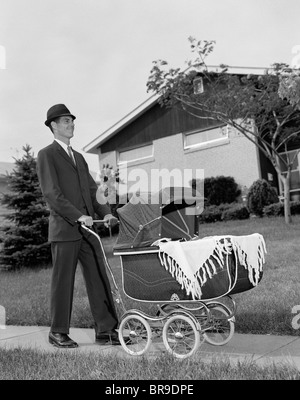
[(190, 262)]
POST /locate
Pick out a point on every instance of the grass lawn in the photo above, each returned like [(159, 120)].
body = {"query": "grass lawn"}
[(264, 309), (25, 364)]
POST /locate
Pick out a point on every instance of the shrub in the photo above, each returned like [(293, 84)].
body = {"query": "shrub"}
[(236, 212), (277, 209), (260, 194), (295, 207), (210, 214), (219, 190), (223, 212)]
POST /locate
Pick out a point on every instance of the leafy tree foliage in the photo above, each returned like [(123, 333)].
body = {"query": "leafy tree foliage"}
[(24, 239)]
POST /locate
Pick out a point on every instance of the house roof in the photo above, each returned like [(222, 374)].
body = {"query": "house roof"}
[(93, 146), (126, 120)]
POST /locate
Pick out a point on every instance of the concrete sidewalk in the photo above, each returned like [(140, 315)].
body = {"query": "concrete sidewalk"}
[(260, 349)]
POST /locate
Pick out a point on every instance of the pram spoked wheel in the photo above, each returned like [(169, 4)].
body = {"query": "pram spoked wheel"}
[(135, 334), (221, 327), (181, 336)]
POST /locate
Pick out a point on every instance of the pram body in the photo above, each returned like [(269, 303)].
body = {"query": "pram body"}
[(147, 223)]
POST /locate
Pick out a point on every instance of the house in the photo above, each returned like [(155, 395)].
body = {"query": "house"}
[(153, 141)]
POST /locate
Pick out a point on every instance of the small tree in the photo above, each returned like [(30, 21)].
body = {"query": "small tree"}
[(221, 189), (264, 108), (25, 242), (260, 194)]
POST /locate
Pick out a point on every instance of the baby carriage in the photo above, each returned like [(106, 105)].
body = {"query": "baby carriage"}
[(191, 279)]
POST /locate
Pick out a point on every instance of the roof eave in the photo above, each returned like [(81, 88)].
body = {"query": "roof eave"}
[(93, 146)]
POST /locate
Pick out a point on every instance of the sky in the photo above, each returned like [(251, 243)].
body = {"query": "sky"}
[(95, 56)]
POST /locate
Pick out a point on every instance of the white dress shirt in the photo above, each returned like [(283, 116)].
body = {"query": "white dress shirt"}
[(65, 147)]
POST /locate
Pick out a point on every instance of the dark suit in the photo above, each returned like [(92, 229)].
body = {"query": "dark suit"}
[(70, 192)]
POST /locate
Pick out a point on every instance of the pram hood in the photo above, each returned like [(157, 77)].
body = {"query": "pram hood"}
[(168, 213)]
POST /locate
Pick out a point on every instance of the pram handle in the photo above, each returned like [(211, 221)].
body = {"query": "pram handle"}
[(103, 221), (119, 298)]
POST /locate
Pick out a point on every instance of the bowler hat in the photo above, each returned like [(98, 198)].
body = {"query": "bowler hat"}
[(59, 110)]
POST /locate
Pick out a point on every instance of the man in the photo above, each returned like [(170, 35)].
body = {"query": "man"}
[(70, 193)]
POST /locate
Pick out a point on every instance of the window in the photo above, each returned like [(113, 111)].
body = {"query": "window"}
[(295, 171), (138, 154), (198, 86), (206, 138)]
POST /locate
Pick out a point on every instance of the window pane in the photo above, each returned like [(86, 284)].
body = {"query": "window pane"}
[(295, 180), (289, 156), (201, 137), (135, 154)]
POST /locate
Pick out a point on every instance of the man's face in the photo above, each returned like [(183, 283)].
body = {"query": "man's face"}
[(64, 127)]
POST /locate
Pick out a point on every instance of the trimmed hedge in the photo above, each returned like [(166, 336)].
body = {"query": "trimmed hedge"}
[(236, 212), (277, 209), (223, 212)]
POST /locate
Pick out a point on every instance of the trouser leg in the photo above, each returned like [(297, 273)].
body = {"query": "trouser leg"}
[(64, 258), (97, 284)]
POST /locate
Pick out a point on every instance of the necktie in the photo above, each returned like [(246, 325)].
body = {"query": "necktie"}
[(71, 155)]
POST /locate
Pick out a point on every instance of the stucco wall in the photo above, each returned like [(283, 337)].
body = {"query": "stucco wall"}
[(237, 158), (106, 158)]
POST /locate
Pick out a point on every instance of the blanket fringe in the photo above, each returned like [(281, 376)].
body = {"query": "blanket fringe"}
[(254, 265), (174, 269), (223, 247)]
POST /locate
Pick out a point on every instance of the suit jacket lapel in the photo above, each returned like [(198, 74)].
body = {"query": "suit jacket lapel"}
[(63, 153)]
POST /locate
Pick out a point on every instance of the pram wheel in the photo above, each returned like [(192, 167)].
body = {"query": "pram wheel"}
[(222, 327), (135, 334), (180, 336)]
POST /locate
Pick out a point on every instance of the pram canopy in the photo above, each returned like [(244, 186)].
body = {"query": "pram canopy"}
[(168, 213)]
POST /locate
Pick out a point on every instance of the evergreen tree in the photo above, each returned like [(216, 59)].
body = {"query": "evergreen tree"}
[(25, 239)]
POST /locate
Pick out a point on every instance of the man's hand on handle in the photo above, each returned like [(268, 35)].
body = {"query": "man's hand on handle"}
[(86, 220), (111, 221)]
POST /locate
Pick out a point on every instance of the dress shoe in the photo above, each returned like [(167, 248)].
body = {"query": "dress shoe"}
[(62, 340), (108, 338)]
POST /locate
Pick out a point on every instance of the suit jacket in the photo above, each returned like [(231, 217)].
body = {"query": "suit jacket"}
[(69, 191)]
